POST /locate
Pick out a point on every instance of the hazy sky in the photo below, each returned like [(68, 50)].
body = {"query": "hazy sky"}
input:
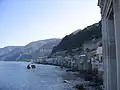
[(23, 21)]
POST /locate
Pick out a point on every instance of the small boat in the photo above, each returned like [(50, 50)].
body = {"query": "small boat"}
[(28, 66), (31, 66)]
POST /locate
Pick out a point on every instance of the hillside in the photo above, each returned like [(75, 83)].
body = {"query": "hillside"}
[(8, 49), (30, 51), (76, 39)]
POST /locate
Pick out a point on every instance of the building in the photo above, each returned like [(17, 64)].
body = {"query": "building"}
[(110, 13), (93, 51)]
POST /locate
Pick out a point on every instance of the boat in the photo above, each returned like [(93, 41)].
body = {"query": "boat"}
[(31, 66)]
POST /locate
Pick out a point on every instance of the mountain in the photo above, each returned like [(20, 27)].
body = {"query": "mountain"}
[(8, 49), (29, 51), (77, 38), (77, 31), (12, 55)]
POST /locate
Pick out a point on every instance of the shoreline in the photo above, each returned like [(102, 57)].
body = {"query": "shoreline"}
[(77, 80)]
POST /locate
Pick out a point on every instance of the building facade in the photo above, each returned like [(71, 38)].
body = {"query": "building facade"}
[(94, 56), (110, 13)]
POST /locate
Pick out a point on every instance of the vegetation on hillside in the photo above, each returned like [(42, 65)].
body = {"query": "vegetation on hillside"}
[(73, 41)]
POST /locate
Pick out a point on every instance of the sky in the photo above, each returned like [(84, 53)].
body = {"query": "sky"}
[(23, 21)]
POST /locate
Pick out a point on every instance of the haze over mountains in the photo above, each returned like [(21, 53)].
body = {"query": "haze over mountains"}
[(48, 47), (31, 51)]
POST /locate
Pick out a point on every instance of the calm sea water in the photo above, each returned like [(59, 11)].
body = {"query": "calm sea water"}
[(15, 76)]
